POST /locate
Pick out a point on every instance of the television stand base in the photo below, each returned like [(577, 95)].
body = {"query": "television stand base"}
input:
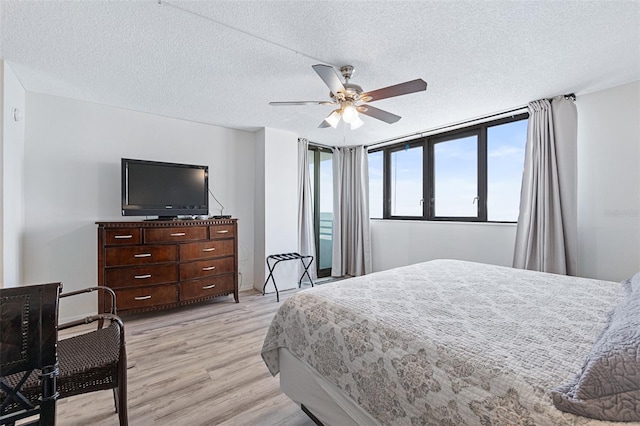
[(225, 216)]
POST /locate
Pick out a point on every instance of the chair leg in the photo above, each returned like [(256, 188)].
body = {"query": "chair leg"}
[(48, 412), (115, 399), (123, 415), (122, 405)]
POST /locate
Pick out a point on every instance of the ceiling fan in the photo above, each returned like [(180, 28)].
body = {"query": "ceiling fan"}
[(351, 100)]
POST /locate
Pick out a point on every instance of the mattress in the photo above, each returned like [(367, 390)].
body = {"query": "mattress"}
[(324, 400), (446, 342)]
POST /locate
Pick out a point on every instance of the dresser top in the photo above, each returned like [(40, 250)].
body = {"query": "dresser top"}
[(166, 223)]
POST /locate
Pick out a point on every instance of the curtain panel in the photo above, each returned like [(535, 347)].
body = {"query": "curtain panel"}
[(306, 234), (351, 228), (546, 236)]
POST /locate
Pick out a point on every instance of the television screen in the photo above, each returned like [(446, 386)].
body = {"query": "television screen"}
[(152, 188)]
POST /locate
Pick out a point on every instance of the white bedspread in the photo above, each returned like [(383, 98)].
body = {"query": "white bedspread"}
[(447, 342)]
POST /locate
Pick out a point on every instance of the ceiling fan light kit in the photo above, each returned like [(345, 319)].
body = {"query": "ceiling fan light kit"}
[(356, 123), (351, 99), (349, 114), (333, 118)]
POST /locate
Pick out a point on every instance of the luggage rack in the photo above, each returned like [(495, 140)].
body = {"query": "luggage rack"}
[(277, 258)]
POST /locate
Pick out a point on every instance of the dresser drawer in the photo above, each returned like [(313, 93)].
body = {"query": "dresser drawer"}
[(140, 255), (206, 249), (122, 236), (222, 231), (170, 235), (142, 275), (146, 297), (206, 287), (205, 268)]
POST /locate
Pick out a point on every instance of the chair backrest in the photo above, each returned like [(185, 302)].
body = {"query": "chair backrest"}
[(28, 339), (28, 330)]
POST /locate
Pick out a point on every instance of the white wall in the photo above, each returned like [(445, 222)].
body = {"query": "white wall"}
[(608, 202), (609, 183), (72, 179), (276, 205), (259, 222), (398, 243), (12, 177), (1, 177)]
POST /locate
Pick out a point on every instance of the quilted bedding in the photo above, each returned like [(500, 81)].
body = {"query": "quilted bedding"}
[(447, 342)]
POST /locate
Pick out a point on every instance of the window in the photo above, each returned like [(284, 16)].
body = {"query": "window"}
[(455, 177), (470, 174), (321, 172), (405, 177), (376, 184), (505, 163)]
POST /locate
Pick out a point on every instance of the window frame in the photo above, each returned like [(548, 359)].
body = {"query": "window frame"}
[(428, 171)]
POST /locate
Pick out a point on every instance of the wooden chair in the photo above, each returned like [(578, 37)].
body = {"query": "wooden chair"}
[(94, 360), (28, 362)]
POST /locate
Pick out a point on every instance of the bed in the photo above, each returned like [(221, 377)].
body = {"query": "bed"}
[(443, 342)]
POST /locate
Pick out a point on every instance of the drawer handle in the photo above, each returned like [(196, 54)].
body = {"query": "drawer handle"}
[(207, 287), (178, 234), (142, 277), (209, 268), (142, 297), (123, 237), (206, 250), (222, 232), (142, 255)]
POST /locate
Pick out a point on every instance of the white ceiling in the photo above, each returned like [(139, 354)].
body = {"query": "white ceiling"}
[(222, 62)]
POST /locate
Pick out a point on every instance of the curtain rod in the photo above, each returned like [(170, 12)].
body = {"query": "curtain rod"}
[(461, 123)]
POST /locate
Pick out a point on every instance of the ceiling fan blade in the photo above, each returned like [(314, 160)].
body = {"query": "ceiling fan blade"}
[(380, 114), (323, 125), (396, 90), (330, 77), (300, 103)]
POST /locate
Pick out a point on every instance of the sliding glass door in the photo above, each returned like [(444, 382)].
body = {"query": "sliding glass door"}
[(321, 172)]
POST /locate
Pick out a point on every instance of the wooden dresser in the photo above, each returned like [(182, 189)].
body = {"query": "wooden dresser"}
[(162, 264)]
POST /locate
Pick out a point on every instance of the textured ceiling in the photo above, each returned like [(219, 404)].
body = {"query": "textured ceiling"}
[(222, 62)]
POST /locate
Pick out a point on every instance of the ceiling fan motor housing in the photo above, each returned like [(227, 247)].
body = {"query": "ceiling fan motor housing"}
[(346, 71), (351, 91)]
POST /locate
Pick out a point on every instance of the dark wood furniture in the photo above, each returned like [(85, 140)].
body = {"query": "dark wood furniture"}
[(162, 264), (28, 358)]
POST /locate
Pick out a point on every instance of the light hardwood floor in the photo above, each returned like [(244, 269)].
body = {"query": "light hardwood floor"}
[(195, 365)]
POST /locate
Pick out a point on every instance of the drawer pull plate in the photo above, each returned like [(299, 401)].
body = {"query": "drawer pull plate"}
[(142, 255), (206, 250), (209, 268), (142, 277), (224, 231), (178, 234), (123, 237), (207, 287), (143, 297)]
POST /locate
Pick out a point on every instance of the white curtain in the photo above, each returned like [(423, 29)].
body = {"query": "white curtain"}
[(306, 235), (546, 236), (351, 230)]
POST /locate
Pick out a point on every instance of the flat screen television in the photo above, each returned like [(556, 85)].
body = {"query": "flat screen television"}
[(167, 190)]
